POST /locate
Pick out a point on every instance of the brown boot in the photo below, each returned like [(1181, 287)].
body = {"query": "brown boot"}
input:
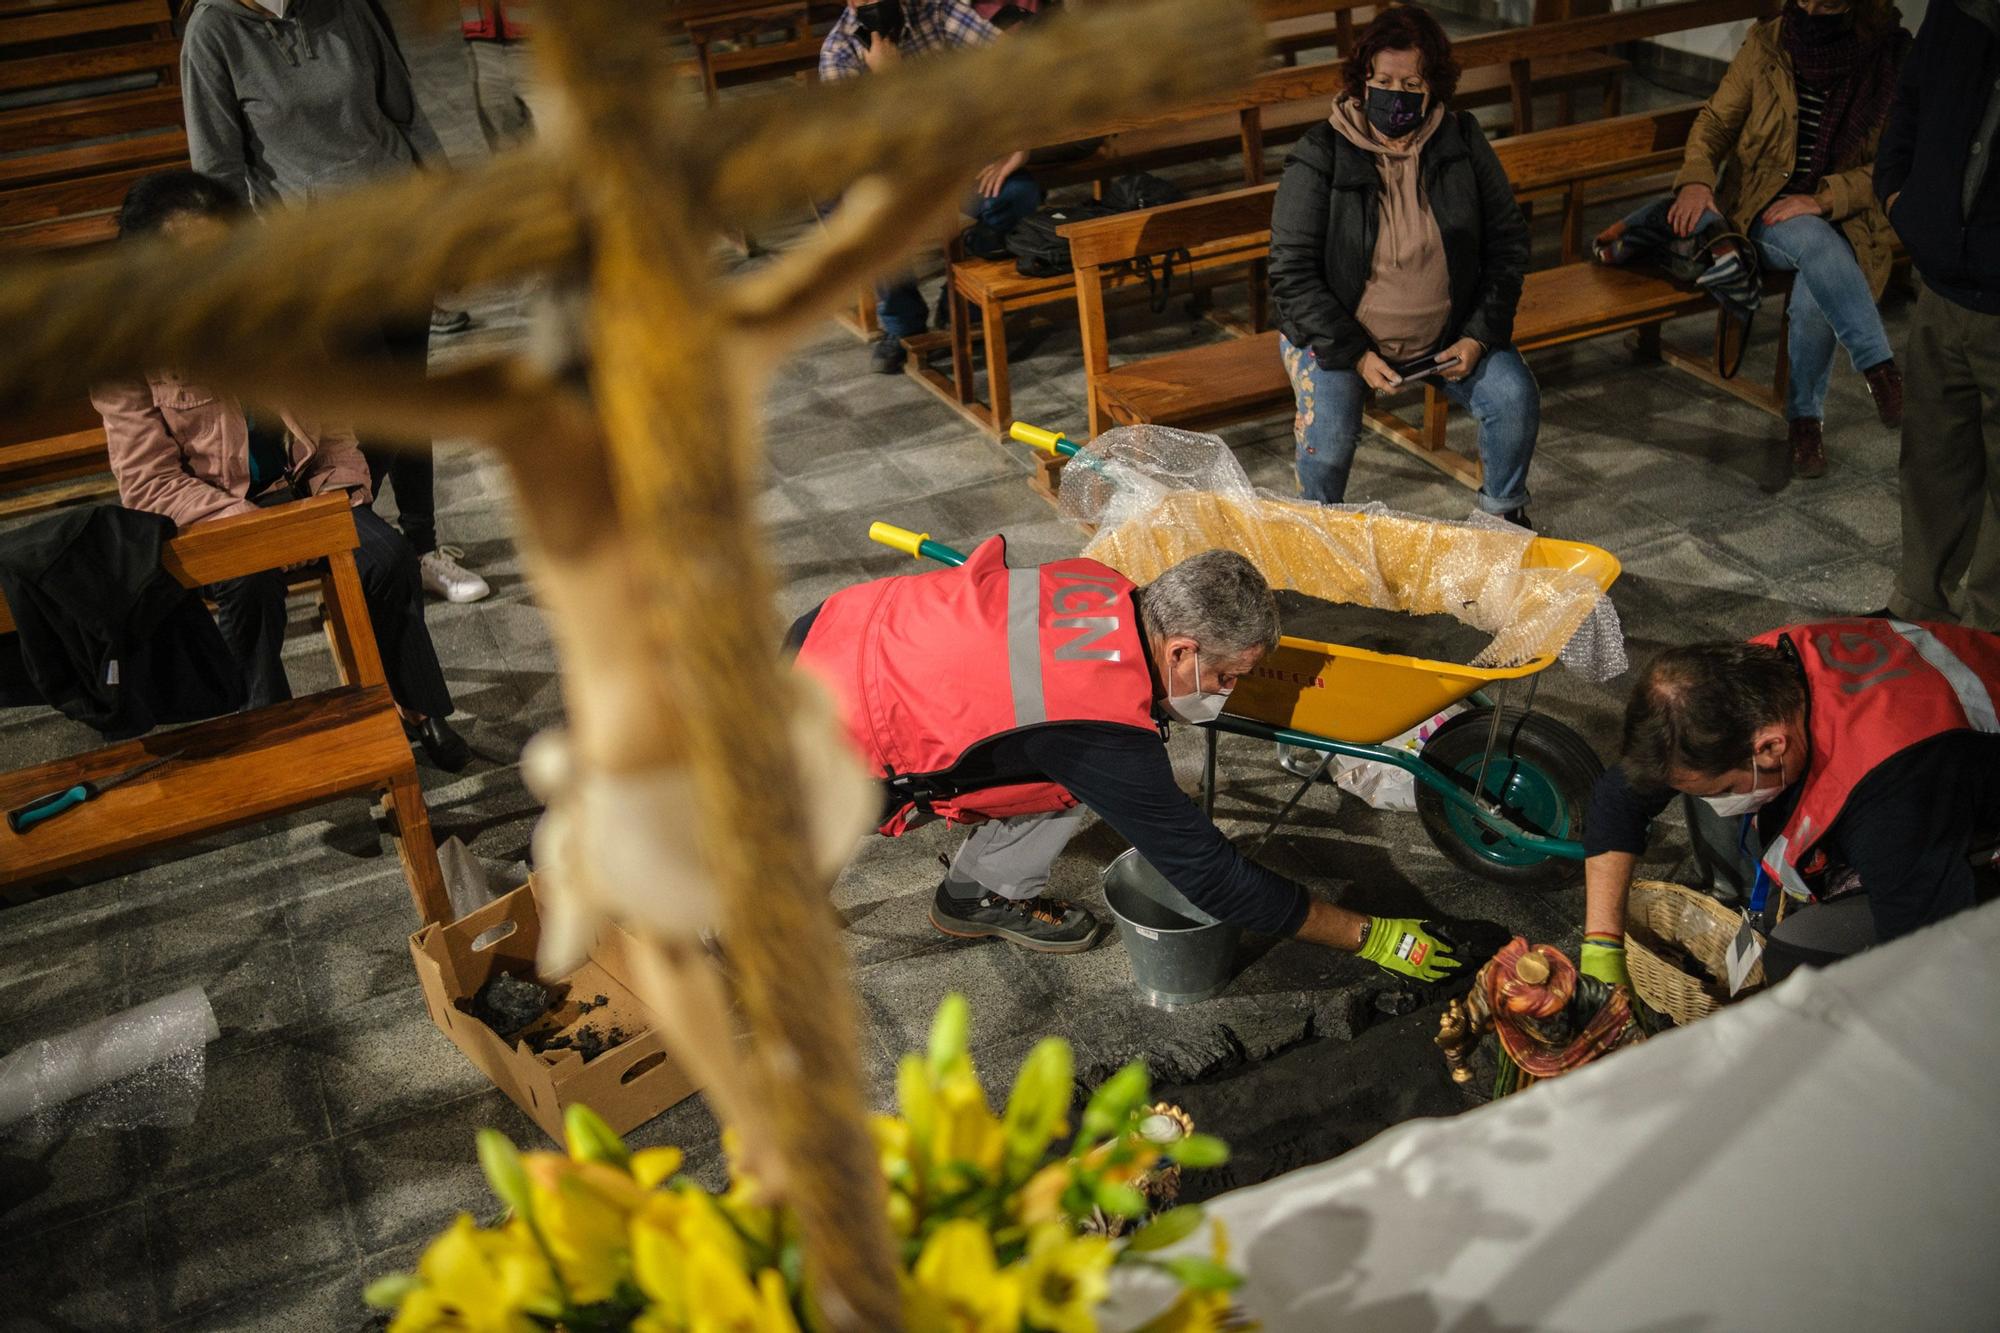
[(1886, 383), (1808, 448)]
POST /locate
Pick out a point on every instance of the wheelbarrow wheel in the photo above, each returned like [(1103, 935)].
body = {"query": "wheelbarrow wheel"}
[(1540, 776)]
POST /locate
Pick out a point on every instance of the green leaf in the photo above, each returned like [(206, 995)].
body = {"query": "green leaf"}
[(1202, 1274), (592, 1140), (1170, 1227), (1038, 1103), (1198, 1150), (1113, 1105), (949, 1030), (1119, 1200), (501, 1161), (387, 1292)]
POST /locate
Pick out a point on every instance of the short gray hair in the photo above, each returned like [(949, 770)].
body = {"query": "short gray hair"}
[(1218, 599)]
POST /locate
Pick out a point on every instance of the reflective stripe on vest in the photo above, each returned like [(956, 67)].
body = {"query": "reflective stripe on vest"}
[(1853, 729), (1024, 646)]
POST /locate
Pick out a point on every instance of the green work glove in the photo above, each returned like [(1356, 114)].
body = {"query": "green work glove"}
[(1401, 944), (1603, 957)]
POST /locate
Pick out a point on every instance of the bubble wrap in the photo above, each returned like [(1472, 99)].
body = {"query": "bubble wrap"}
[(1157, 495), (145, 1066)]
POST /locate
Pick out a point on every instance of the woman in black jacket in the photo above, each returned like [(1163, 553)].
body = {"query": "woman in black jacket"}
[(1397, 248)]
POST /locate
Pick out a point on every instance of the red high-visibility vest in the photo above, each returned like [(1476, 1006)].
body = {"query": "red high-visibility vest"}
[(927, 666), (492, 19), (1876, 687)]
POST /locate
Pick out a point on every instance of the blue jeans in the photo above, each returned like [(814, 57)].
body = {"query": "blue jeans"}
[(899, 306), (1500, 393), (1830, 302)]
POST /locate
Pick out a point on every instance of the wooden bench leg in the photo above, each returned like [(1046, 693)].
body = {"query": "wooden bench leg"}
[(1521, 97), (1646, 345), (1614, 96), (1566, 107), (993, 321), (961, 347), (411, 821)]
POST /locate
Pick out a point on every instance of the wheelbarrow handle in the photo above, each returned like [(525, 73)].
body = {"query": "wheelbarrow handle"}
[(1048, 441), (916, 545)]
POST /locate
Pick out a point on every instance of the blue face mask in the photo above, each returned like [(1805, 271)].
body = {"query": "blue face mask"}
[(1394, 113)]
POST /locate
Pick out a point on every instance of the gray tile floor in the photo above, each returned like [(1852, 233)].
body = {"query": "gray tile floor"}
[(336, 1129)]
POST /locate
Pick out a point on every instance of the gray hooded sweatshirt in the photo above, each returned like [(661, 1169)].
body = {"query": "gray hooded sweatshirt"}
[(289, 109)]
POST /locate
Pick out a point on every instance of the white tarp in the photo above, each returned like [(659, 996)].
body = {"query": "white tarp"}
[(1825, 1156)]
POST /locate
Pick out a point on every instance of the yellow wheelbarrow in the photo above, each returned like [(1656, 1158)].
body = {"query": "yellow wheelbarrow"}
[(1501, 790)]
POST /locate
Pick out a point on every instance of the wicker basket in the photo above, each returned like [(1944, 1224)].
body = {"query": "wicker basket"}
[(1697, 925)]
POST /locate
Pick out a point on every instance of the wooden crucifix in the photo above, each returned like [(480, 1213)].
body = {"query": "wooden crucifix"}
[(629, 432)]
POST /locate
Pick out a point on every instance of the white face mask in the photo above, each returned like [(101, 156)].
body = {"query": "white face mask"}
[(277, 7), (1747, 802), (1200, 705)]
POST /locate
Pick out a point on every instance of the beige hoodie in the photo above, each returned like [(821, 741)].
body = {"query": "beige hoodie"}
[(1407, 301)]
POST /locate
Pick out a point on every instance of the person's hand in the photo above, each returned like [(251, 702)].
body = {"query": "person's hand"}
[(1400, 944), (1468, 351), (1692, 201), (1603, 957), (881, 53), (994, 174), (1792, 206), (1375, 373)]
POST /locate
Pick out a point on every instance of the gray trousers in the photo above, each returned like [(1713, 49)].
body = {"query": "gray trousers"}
[(1818, 934), (502, 90), (1011, 858), (1950, 467)]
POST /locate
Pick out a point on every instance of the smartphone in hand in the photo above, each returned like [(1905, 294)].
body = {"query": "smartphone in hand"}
[(1426, 366)]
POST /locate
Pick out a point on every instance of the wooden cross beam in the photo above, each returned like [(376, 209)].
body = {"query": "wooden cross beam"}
[(634, 455)]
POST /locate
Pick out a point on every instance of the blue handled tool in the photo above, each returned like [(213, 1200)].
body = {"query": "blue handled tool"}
[(44, 808)]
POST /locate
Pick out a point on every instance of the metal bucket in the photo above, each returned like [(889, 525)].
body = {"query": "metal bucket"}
[(1180, 955)]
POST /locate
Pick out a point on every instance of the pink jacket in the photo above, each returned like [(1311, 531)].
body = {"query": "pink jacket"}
[(182, 451)]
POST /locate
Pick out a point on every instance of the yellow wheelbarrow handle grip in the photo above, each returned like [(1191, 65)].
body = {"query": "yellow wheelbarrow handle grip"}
[(1048, 441), (898, 539)]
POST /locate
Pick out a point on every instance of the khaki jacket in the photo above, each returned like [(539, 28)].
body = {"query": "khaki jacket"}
[(1744, 145), (183, 451)]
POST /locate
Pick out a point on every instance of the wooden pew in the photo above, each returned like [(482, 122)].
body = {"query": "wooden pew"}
[(254, 765), (66, 160), (1243, 378)]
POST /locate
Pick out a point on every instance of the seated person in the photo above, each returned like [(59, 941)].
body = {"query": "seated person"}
[(1865, 752), (1396, 245), (1784, 153), (184, 452), (873, 36), (961, 725)]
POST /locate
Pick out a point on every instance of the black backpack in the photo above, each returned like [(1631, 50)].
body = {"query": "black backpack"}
[(1141, 190), (1038, 251)]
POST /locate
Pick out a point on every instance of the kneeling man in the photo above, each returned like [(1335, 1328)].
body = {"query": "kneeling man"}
[(1866, 752), (1008, 699)]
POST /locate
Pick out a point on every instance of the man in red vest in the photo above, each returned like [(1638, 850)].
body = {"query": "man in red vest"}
[(1011, 699), (1866, 752)]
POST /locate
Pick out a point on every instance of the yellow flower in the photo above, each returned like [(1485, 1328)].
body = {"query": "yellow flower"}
[(967, 1131), (652, 1167), (1198, 1311), (958, 1287), (479, 1282), (665, 1234), (722, 1300), (1040, 1200), (1064, 1279), (581, 1210)]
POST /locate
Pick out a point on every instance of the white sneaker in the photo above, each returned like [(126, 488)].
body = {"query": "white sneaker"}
[(445, 577)]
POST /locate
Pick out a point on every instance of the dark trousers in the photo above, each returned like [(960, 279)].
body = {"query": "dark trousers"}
[(409, 470), (1950, 466), (251, 614)]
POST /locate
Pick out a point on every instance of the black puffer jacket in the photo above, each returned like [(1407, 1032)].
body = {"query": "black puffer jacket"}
[(1323, 237)]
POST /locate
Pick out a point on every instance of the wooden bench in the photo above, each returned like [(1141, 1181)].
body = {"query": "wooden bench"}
[(100, 80), (1243, 378), (250, 766)]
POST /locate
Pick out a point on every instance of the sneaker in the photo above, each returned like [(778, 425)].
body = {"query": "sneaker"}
[(1808, 448), (1046, 925), (446, 322), (888, 356), (444, 577), (1885, 384), (445, 748)]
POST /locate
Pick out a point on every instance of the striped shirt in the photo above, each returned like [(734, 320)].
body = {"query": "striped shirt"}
[(1812, 111), (928, 25)]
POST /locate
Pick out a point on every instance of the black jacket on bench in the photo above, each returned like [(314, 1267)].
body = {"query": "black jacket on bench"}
[(1323, 227)]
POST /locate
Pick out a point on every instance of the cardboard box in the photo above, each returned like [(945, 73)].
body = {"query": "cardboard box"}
[(628, 1084)]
